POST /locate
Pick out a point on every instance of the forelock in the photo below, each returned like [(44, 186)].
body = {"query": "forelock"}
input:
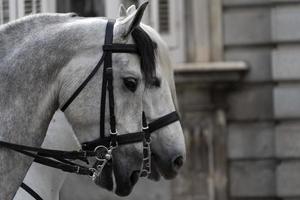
[(147, 52)]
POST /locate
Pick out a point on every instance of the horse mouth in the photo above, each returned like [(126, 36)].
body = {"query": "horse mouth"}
[(125, 188), (114, 183), (105, 180), (119, 189)]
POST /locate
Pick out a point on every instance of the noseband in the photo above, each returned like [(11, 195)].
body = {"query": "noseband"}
[(102, 147)]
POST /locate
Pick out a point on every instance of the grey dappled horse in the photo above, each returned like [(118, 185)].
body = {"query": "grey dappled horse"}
[(44, 58)]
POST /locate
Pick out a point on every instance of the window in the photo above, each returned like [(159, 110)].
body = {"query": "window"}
[(166, 16), (14, 9), (38, 6), (163, 16), (32, 6), (27, 7), (4, 11)]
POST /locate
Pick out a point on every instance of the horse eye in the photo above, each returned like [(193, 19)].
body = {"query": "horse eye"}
[(130, 83)]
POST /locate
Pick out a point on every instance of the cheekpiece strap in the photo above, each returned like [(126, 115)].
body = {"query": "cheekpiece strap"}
[(106, 74)]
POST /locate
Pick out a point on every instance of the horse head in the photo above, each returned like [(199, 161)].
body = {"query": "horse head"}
[(143, 92)]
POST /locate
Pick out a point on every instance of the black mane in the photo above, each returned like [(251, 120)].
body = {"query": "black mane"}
[(147, 51)]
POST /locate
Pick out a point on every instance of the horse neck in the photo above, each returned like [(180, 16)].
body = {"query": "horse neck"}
[(29, 82), (29, 65)]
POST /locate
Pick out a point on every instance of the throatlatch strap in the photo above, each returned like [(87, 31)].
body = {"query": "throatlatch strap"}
[(109, 29), (31, 191), (83, 84)]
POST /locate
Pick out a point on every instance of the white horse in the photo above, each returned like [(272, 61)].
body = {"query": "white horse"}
[(44, 58), (47, 182)]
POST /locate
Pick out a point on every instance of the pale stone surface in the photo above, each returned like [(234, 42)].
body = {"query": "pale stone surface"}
[(252, 178), (247, 26), (257, 59), (286, 23), (287, 101), (251, 103), (288, 179), (193, 97), (250, 140), (211, 67), (287, 137), (286, 59)]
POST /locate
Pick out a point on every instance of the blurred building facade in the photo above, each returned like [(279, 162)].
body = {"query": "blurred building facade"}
[(238, 83)]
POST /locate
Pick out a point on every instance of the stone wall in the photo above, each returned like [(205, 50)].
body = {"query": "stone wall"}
[(264, 112), (286, 75)]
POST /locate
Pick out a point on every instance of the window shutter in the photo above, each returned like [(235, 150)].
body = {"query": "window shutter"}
[(32, 6), (13, 9), (28, 7), (4, 11), (164, 16), (38, 6)]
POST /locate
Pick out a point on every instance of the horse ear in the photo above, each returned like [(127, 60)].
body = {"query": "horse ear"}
[(132, 20), (131, 9), (122, 11)]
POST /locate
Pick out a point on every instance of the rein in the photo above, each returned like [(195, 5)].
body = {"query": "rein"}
[(101, 148)]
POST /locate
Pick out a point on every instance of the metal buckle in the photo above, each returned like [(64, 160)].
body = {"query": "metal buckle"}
[(99, 168), (145, 128), (144, 173), (77, 170), (94, 171), (146, 168), (101, 153), (113, 134), (148, 140), (113, 146)]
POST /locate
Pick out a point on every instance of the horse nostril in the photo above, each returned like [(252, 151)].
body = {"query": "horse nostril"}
[(134, 177), (177, 163)]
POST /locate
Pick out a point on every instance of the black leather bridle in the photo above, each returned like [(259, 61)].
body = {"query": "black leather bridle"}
[(102, 147)]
